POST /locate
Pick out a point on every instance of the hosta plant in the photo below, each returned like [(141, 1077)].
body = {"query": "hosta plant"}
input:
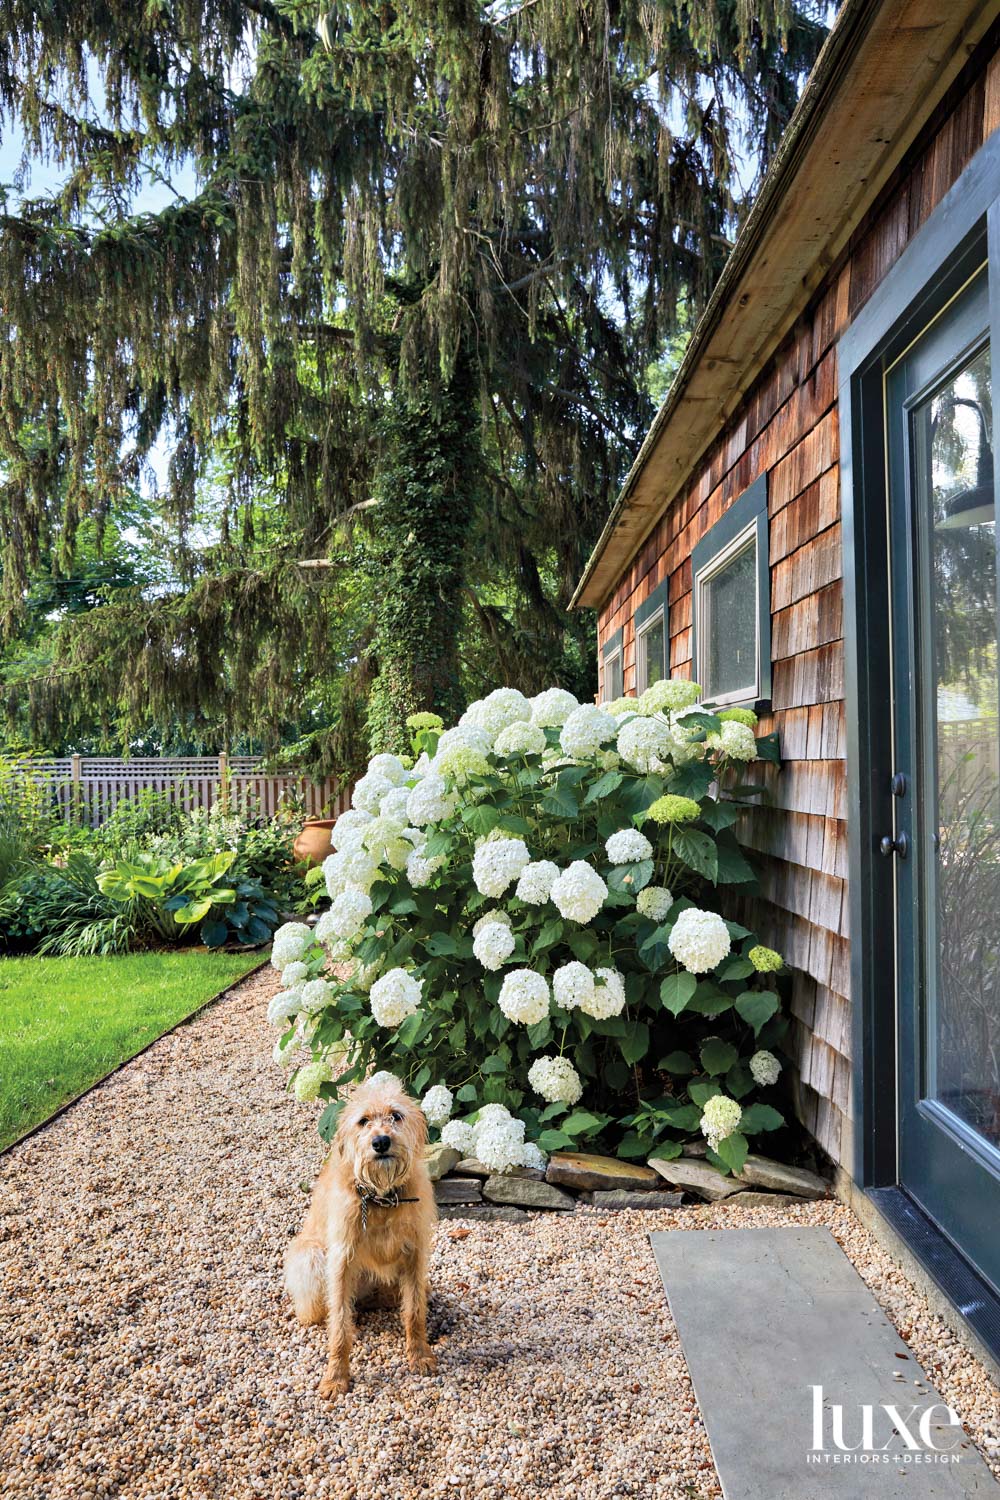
[(524, 927)]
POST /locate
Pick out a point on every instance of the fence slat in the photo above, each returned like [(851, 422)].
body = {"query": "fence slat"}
[(89, 788)]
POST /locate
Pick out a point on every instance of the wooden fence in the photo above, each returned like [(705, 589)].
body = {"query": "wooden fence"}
[(87, 789)]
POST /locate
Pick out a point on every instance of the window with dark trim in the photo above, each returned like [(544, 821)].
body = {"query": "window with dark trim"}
[(731, 604), (612, 668), (651, 639)]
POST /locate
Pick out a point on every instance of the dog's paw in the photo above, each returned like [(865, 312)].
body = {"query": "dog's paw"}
[(334, 1384), (423, 1362)]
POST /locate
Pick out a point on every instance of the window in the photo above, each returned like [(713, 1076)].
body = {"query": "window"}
[(651, 639), (612, 669), (732, 604)]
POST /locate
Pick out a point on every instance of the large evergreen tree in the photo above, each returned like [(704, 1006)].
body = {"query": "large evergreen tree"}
[(431, 248)]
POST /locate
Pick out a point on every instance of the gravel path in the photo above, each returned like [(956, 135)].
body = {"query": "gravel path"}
[(146, 1348)]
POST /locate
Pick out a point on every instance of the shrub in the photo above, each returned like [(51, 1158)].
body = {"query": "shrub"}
[(168, 899), (526, 919), (26, 818), (61, 909)]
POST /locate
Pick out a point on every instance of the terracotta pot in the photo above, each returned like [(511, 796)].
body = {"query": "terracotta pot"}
[(313, 844)]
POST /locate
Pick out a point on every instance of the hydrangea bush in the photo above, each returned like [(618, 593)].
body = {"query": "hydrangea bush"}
[(523, 929)]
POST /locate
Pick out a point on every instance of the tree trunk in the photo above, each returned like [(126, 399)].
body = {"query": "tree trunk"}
[(427, 488)]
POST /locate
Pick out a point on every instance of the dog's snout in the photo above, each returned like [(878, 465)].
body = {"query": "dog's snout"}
[(381, 1144)]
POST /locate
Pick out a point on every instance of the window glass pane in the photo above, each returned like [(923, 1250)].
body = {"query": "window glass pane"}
[(953, 459), (651, 654), (729, 602), (613, 678)]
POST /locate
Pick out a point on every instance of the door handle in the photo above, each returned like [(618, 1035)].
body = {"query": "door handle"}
[(888, 845)]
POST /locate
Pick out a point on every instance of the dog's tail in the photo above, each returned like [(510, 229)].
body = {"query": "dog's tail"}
[(305, 1279)]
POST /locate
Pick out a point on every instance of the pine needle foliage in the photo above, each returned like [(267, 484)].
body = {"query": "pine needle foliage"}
[(431, 247)]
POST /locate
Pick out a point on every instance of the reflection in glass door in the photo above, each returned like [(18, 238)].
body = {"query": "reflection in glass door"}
[(952, 435), (946, 848)]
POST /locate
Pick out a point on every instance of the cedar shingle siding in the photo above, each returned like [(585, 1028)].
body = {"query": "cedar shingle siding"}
[(787, 428)]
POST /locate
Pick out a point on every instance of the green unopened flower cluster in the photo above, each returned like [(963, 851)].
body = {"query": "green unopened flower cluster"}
[(765, 960), (673, 809), (739, 716), (416, 722)]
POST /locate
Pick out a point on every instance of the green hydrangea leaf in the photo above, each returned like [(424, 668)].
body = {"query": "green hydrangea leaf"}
[(733, 1152), (756, 1007), (677, 991), (717, 1056), (758, 1117)]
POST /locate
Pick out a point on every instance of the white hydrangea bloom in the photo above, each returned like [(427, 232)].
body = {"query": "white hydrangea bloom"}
[(497, 863), (436, 1104), (699, 940), (347, 832), (496, 712), (552, 708), (349, 913), (460, 1136), (628, 846), (579, 892), (394, 997), (735, 740), (324, 930), (388, 766), (536, 880), (289, 944), (621, 706), (572, 984), (295, 973), (369, 791), (555, 1079), (493, 945), (384, 1079), (393, 807), (316, 995), (608, 998), (487, 918), (430, 801), (721, 1117), (283, 1055), (654, 902), (520, 739), (765, 1067), (421, 871), (643, 743), (534, 1156), (586, 730), (283, 1006), (458, 763), (397, 853), (672, 693), (349, 869), (524, 997), (471, 736), (608, 760), (488, 1114), (309, 1079), (500, 1144)]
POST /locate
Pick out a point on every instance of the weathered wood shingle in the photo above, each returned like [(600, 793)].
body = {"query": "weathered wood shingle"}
[(787, 428)]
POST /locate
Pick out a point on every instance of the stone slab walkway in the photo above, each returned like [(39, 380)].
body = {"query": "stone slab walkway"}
[(146, 1349), (808, 1358)]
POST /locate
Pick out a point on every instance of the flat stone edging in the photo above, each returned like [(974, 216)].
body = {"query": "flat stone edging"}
[(100, 1082)]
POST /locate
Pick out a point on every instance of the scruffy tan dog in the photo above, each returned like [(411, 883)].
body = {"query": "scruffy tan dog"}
[(368, 1230)]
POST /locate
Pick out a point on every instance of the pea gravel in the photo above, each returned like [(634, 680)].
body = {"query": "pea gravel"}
[(146, 1348)]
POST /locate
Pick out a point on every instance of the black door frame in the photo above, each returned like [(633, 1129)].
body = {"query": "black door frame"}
[(961, 233)]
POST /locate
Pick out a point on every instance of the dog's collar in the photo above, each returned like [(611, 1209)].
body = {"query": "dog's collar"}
[(371, 1199)]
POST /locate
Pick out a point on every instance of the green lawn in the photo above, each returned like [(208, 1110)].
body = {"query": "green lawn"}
[(66, 1022)]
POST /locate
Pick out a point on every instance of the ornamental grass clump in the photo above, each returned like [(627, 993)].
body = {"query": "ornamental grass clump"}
[(527, 926)]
